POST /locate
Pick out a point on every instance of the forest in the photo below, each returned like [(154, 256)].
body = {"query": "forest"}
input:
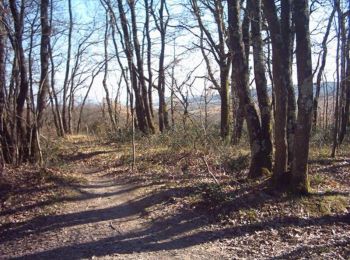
[(182, 129)]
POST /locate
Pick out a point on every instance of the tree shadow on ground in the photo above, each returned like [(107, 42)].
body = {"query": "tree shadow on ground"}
[(184, 229), (314, 252), (83, 195), (171, 234), (82, 156)]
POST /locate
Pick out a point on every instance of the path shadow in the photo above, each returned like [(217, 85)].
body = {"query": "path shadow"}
[(83, 195), (314, 252), (82, 156), (133, 207), (184, 229), (179, 232)]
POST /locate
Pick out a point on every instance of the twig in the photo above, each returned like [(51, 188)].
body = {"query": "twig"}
[(209, 171)]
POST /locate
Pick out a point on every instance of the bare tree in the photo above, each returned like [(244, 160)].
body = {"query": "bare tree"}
[(218, 50)]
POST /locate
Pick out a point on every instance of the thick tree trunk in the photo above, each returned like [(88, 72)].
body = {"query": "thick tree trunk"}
[(300, 183), (237, 111)]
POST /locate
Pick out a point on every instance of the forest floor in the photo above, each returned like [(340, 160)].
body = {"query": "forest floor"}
[(87, 204)]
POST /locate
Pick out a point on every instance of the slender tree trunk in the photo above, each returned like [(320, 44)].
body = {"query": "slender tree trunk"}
[(149, 56), (139, 105), (281, 73), (161, 24), (261, 83), (22, 142), (6, 141), (66, 78), (105, 75), (337, 106), (44, 78), (345, 77), (140, 71), (260, 163), (288, 40), (322, 67), (300, 183)]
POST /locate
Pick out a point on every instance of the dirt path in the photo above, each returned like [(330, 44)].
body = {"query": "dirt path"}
[(108, 221), (107, 218)]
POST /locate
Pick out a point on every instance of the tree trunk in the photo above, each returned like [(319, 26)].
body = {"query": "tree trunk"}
[(140, 71), (149, 56), (300, 183), (260, 163), (261, 83), (345, 77), (66, 77), (44, 78), (281, 76), (321, 70), (288, 40), (162, 24), (139, 105), (6, 140), (22, 141)]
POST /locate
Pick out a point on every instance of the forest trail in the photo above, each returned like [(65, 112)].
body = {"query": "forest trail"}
[(108, 212), (109, 221)]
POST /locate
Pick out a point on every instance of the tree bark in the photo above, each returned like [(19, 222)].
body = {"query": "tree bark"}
[(140, 71), (300, 182), (261, 83), (44, 85), (66, 77), (18, 19), (6, 140), (281, 72), (260, 163), (321, 70)]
